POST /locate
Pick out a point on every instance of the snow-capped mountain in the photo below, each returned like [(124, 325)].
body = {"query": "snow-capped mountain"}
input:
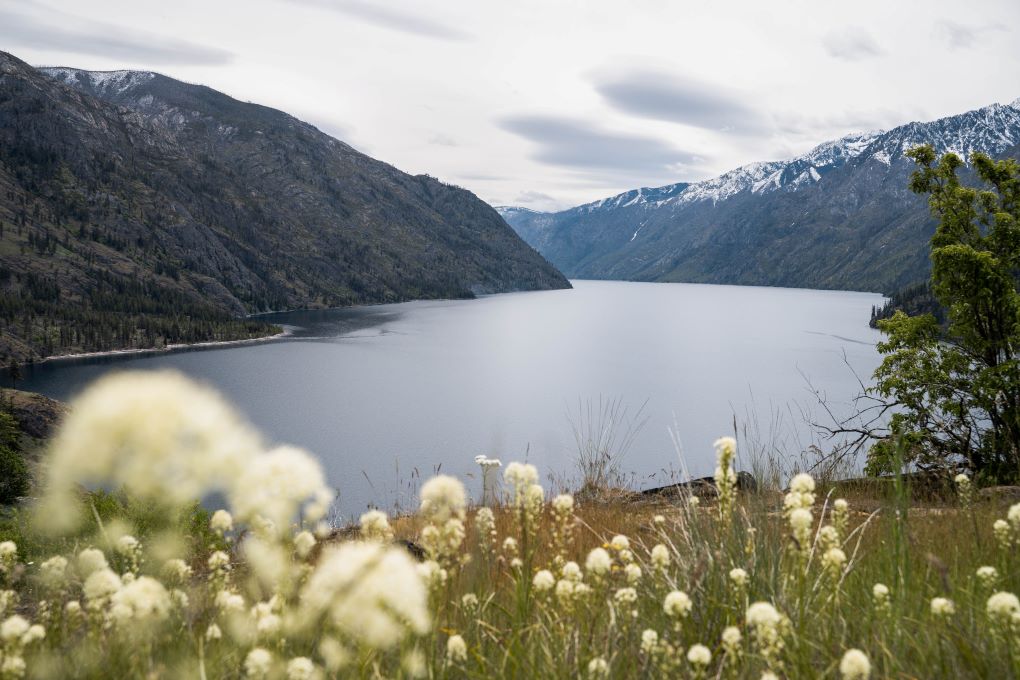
[(767, 213)]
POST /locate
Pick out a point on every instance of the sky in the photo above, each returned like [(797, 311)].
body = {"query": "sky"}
[(548, 104)]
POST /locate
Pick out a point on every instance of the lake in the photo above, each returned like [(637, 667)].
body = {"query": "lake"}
[(385, 395)]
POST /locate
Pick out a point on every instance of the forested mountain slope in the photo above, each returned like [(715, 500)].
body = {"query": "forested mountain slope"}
[(136, 209)]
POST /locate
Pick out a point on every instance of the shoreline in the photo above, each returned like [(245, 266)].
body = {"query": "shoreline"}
[(168, 348)]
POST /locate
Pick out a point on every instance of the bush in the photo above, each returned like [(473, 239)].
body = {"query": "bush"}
[(14, 475)]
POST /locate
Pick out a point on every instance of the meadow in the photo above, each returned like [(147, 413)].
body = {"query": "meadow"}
[(816, 580)]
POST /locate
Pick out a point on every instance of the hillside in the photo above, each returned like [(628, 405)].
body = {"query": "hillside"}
[(137, 210), (840, 216)]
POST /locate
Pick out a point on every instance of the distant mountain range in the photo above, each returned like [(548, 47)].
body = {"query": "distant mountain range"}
[(136, 209), (840, 216)]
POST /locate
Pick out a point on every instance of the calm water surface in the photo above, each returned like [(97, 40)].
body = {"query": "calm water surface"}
[(385, 394)]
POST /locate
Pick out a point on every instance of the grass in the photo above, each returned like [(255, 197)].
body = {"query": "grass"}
[(932, 550), (920, 548), (607, 584)]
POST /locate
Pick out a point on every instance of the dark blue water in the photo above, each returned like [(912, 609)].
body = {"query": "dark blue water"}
[(385, 395)]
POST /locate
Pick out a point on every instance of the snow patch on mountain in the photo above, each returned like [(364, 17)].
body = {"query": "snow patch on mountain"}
[(104, 82), (991, 130)]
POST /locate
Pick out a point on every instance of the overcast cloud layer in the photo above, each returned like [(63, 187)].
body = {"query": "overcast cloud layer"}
[(552, 103)]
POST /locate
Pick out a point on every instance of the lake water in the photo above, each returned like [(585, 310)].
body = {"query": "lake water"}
[(386, 395)]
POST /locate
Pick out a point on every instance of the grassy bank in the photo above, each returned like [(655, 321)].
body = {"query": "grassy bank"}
[(878, 580)]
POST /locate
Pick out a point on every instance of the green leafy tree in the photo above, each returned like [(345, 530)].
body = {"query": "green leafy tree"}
[(14, 474), (957, 391)]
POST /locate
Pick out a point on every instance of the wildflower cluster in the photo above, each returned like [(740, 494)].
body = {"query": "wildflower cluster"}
[(263, 589)]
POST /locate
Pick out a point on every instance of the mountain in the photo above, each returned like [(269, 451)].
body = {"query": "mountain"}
[(840, 216), (136, 209)]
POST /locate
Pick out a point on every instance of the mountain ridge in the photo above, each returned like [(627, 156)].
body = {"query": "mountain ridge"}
[(854, 187), (159, 211)]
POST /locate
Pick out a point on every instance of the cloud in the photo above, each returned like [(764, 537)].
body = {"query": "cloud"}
[(843, 122), (533, 197), (71, 34), (439, 139), (852, 44), (380, 14), (664, 96), (961, 36), (578, 144)]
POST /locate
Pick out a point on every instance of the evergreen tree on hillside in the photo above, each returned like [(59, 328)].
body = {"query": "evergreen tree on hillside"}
[(14, 475), (958, 393)]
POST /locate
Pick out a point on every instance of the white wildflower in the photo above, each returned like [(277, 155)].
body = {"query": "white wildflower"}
[(301, 668), (677, 604), (800, 519), (802, 483), (177, 570), (144, 600), (273, 486), (543, 581), (763, 614), (563, 504), (127, 545), (598, 562), (13, 666), (833, 560), (699, 655), (1013, 515), (1003, 533), (942, 607), (13, 628), (521, 475), (90, 560), (1002, 606), (625, 596), (489, 479), (218, 559), (855, 665), (649, 641), (442, 498), (632, 572), (485, 524), (34, 633), (660, 556), (598, 668), (367, 592), (988, 576), (101, 584), (221, 522), (304, 541), (375, 526), (456, 649), (53, 572), (880, 597), (258, 663), (230, 601), (159, 434)]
